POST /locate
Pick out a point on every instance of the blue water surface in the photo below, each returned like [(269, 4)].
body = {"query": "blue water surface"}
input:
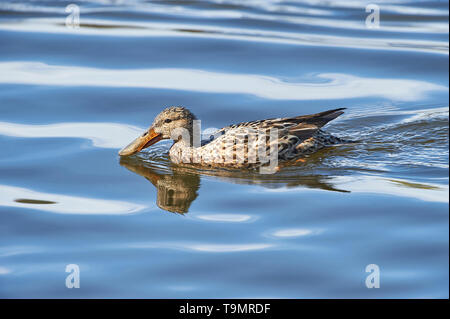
[(140, 227)]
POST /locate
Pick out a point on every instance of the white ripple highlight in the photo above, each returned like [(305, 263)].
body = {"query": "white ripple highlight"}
[(65, 204), (158, 29), (395, 187), (321, 86), (4, 271), (201, 247), (295, 232), (104, 135), (227, 218), (229, 248), (430, 192)]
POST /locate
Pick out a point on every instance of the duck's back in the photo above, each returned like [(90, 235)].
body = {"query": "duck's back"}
[(250, 143)]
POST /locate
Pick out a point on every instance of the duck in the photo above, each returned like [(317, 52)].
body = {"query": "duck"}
[(242, 145)]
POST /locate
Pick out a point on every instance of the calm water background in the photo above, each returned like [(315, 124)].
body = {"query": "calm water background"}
[(70, 98)]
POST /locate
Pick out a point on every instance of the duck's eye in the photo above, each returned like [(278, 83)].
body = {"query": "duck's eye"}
[(167, 120)]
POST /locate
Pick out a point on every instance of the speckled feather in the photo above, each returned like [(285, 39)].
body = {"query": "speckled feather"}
[(237, 145)]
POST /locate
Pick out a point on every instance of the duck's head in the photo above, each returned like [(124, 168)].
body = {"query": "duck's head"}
[(167, 125)]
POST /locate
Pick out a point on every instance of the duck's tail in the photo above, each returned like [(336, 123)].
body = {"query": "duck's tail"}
[(322, 118)]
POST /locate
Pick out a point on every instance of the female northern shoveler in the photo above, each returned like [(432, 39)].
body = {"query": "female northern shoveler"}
[(247, 144)]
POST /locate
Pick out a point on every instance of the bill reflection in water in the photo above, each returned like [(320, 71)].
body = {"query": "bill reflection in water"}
[(174, 191)]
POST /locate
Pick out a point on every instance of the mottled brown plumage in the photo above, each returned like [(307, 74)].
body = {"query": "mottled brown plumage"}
[(247, 144)]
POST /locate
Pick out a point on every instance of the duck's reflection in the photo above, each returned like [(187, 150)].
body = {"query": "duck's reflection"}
[(177, 187), (174, 191)]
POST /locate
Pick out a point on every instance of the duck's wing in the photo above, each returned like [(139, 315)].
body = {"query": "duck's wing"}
[(307, 125), (303, 126)]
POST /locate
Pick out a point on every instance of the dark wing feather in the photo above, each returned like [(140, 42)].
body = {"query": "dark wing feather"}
[(303, 126), (307, 125), (318, 119)]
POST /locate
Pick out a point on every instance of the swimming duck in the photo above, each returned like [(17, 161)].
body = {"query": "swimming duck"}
[(243, 145)]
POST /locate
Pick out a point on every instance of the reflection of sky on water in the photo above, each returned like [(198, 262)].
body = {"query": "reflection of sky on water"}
[(203, 247), (105, 135), (379, 185), (326, 86), (381, 201), (203, 31), (305, 7), (4, 271), (228, 218), (64, 204), (295, 232)]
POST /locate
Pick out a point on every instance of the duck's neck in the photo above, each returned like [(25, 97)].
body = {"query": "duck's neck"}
[(182, 143), (191, 138), (182, 151)]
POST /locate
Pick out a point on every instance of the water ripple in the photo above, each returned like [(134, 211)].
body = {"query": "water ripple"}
[(105, 135), (65, 204), (157, 29), (228, 218), (5, 271), (322, 86), (295, 232), (201, 247)]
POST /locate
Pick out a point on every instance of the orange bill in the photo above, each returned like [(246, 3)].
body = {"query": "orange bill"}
[(145, 140)]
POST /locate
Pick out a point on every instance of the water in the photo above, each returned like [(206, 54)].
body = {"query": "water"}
[(142, 227)]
